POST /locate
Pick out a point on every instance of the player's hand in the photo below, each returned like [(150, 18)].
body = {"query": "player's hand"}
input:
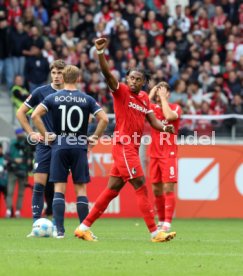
[(161, 92), (50, 137), (169, 129), (153, 92), (100, 43), (92, 141), (36, 137)]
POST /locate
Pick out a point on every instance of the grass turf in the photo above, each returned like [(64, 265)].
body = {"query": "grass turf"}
[(202, 247)]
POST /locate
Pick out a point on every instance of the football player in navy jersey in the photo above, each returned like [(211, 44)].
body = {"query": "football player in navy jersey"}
[(69, 110), (43, 152)]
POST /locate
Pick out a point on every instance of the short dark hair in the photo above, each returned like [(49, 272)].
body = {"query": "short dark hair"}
[(164, 84), (59, 64), (146, 75)]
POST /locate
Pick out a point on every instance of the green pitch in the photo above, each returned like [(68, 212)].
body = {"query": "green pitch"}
[(202, 247)]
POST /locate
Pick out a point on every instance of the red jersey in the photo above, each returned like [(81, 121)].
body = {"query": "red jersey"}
[(164, 144), (130, 112)]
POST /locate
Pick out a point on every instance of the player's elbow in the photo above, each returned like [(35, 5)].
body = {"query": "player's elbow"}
[(171, 117), (34, 116), (20, 114), (105, 121)]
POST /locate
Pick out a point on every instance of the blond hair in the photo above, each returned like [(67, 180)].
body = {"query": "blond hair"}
[(71, 74)]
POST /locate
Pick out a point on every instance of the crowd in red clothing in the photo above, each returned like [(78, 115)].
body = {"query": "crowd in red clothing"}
[(197, 49)]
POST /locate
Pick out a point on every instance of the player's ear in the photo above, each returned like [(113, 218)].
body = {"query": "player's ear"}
[(127, 75)]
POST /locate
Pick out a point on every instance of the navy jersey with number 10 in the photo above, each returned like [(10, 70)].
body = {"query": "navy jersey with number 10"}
[(70, 112)]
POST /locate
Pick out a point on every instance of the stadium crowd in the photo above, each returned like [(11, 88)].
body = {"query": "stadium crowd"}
[(197, 49)]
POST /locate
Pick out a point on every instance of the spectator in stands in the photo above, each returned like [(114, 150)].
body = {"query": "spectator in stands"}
[(29, 20), (18, 164), (233, 83), (86, 30), (34, 39), (6, 67), (48, 52), (78, 16), (36, 68), (14, 12), (163, 16), (17, 40), (18, 92), (3, 173), (236, 107), (178, 95), (179, 20), (40, 13)]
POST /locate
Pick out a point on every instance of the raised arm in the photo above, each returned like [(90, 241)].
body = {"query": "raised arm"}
[(169, 114), (100, 45), (152, 93), (157, 124)]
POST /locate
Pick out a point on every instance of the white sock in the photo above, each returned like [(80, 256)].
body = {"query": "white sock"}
[(167, 224), (154, 233), (160, 223), (83, 227)]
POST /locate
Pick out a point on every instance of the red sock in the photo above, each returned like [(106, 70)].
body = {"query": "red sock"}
[(160, 207), (169, 206), (101, 204), (146, 208)]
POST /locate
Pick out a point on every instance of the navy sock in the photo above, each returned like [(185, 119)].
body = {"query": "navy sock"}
[(37, 200), (82, 207), (58, 207)]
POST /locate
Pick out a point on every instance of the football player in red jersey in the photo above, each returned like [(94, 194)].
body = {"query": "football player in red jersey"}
[(163, 155), (132, 107)]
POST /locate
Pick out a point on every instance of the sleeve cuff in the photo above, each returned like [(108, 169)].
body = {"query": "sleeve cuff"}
[(29, 106), (46, 108), (97, 111)]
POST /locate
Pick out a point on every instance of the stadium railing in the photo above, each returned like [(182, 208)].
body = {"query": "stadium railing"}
[(227, 127)]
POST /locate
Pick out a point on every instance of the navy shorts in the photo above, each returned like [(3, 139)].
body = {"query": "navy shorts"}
[(42, 159), (74, 159)]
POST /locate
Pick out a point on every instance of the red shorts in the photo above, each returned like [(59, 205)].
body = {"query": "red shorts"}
[(163, 170), (126, 162)]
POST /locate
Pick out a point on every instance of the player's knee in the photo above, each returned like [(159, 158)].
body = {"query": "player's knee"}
[(157, 189), (137, 182), (168, 188), (40, 178)]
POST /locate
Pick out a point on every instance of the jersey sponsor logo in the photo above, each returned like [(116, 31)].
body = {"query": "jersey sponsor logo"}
[(137, 107), (70, 99)]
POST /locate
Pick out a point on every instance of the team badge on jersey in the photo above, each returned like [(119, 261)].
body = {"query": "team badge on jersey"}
[(134, 171)]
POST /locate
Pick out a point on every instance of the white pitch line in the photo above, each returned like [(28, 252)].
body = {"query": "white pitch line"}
[(95, 252)]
